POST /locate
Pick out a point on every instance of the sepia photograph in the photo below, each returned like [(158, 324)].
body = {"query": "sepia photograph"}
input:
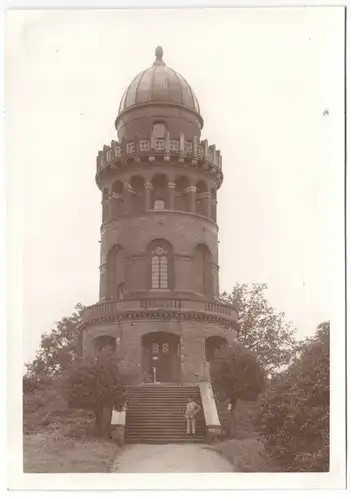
[(176, 244)]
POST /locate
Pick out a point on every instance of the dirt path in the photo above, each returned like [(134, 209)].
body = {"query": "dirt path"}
[(145, 458)]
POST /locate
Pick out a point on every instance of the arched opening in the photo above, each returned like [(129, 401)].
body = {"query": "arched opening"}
[(159, 191), (137, 201), (201, 198), (203, 270), (160, 256), (158, 130), (161, 357), (115, 271), (214, 204), (182, 197), (117, 199), (159, 205), (213, 344), (104, 346), (120, 291), (105, 211)]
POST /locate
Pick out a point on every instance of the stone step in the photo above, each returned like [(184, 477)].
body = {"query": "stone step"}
[(169, 428), (164, 441), (155, 414)]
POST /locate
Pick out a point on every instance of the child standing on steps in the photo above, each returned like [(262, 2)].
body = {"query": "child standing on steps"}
[(190, 411)]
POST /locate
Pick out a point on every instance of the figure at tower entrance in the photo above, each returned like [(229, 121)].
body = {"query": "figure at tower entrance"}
[(159, 273)]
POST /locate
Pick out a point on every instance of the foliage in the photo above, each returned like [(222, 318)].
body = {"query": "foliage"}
[(93, 384), (236, 374), (57, 351), (57, 368), (263, 331), (294, 415)]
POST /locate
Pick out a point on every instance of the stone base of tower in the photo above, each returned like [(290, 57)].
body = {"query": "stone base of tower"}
[(159, 346)]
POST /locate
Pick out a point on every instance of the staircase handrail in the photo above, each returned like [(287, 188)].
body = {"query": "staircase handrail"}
[(146, 378)]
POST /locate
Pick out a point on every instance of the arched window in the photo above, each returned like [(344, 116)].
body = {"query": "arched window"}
[(160, 190), (137, 194), (159, 268), (120, 291), (160, 265), (159, 205), (117, 199), (158, 131)]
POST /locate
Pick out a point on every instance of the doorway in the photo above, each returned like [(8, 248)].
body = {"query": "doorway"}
[(213, 344), (161, 357)]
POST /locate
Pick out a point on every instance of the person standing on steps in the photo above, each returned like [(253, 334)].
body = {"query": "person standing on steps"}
[(190, 412)]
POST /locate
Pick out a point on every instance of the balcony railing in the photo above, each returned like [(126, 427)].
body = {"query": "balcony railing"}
[(115, 307), (168, 146)]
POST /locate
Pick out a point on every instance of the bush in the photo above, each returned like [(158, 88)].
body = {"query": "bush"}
[(96, 386), (294, 415), (236, 374)]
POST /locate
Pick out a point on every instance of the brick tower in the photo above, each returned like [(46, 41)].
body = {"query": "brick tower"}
[(159, 237)]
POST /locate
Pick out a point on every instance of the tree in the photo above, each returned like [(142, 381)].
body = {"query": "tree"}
[(263, 331), (97, 385), (294, 416), (236, 374), (57, 351), (89, 384)]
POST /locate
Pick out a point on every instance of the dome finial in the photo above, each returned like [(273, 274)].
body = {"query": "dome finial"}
[(159, 55)]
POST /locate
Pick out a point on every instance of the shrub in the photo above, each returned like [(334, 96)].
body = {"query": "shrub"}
[(236, 374), (96, 386), (294, 415)]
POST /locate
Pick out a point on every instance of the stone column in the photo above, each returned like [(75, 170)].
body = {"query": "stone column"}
[(171, 195), (128, 193), (148, 190), (191, 191), (207, 203)]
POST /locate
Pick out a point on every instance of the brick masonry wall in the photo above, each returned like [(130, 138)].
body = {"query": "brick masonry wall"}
[(184, 232), (192, 337)]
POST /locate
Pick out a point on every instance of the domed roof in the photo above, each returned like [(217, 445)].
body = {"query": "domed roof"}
[(159, 83)]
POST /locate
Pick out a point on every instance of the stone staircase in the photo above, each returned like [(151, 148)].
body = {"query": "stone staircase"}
[(155, 414)]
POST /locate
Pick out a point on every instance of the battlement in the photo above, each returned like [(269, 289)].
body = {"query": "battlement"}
[(207, 156)]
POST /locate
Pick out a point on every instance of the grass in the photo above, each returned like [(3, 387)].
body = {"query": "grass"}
[(246, 455), (244, 449), (58, 439), (51, 452)]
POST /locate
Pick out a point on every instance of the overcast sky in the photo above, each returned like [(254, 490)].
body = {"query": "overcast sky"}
[(263, 78)]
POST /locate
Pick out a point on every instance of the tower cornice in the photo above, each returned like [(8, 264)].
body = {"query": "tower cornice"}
[(120, 156)]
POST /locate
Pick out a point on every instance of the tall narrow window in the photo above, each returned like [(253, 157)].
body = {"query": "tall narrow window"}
[(120, 291), (158, 131), (159, 268)]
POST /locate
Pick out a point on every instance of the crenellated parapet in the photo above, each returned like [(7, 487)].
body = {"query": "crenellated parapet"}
[(196, 153)]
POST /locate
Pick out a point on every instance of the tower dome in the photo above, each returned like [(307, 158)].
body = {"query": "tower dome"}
[(158, 92), (159, 83)]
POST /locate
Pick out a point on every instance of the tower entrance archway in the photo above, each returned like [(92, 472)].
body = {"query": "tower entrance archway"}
[(213, 344), (161, 357)]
